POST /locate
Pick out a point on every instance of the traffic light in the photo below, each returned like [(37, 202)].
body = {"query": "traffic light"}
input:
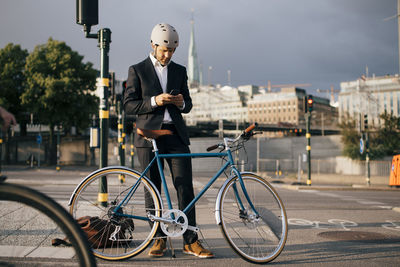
[(310, 103), (87, 12), (365, 122)]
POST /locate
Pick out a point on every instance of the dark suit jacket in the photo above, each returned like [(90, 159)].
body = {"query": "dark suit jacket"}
[(142, 84)]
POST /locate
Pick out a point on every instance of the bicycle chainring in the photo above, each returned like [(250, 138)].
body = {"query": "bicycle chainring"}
[(179, 223)]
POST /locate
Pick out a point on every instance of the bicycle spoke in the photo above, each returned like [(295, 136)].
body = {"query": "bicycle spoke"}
[(127, 242), (256, 236)]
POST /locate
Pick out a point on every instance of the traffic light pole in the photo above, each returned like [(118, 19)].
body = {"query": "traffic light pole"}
[(368, 171), (308, 148), (367, 167), (104, 39), (121, 137), (121, 134), (103, 82), (132, 152), (87, 15)]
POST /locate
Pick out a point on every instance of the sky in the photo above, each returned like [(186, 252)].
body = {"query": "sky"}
[(318, 42)]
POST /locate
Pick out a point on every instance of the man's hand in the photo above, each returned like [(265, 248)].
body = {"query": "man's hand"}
[(8, 118), (165, 99)]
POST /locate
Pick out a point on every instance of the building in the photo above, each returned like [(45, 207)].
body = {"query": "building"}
[(211, 104), (370, 96), (248, 104), (286, 108)]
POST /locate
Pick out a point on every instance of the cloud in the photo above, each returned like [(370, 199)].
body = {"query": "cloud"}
[(285, 41)]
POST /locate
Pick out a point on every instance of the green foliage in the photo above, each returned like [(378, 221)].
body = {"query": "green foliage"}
[(388, 137), (350, 139), (58, 86), (12, 79), (384, 141)]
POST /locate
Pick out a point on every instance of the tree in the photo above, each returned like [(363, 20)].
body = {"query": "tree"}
[(384, 141), (388, 137), (350, 139), (58, 88), (12, 81)]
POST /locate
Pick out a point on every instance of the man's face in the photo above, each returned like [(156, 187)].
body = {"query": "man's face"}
[(163, 54)]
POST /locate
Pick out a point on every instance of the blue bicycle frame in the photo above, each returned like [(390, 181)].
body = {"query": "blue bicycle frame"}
[(157, 158)]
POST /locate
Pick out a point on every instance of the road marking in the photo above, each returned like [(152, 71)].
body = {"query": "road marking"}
[(366, 202), (332, 223), (392, 225)]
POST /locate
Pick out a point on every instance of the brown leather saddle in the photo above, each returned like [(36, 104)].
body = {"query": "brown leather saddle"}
[(153, 134)]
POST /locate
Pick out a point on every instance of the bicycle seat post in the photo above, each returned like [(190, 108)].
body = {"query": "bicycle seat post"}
[(153, 142)]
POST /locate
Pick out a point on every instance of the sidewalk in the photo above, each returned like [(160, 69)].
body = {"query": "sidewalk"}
[(46, 175), (331, 182)]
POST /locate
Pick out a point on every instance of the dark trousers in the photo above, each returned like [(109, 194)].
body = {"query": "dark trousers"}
[(181, 172)]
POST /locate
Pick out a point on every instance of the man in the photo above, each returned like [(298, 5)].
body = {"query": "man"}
[(157, 92), (7, 117)]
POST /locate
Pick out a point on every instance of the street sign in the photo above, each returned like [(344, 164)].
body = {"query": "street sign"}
[(361, 146), (39, 139)]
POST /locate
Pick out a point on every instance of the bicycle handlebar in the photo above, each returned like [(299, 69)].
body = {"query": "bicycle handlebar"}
[(246, 134), (251, 127), (212, 148)]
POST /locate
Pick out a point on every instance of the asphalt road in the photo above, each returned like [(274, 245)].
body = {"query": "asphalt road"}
[(327, 227)]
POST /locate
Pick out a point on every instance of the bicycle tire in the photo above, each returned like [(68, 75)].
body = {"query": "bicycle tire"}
[(84, 202), (257, 239), (54, 212)]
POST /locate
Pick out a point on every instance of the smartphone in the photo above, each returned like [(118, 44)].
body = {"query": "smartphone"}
[(174, 92)]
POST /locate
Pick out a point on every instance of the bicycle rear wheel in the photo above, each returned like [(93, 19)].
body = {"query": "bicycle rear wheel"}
[(257, 238), (101, 192), (28, 222)]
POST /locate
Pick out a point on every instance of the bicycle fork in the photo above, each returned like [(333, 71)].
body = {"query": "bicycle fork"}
[(243, 212)]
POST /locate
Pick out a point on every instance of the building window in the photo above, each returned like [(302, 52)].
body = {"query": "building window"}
[(384, 102), (398, 103), (391, 102)]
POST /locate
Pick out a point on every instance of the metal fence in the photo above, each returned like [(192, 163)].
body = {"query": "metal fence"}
[(324, 166)]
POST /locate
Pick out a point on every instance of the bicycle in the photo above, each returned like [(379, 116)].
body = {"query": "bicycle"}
[(18, 220), (249, 211)]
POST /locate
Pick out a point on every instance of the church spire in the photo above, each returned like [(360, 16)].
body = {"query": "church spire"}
[(193, 66)]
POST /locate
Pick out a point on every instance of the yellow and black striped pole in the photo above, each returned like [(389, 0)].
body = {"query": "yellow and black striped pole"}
[(121, 137), (104, 39), (309, 106), (308, 148), (87, 15), (132, 151)]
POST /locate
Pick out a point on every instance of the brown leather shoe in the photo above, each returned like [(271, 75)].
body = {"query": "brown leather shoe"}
[(197, 250), (159, 247)]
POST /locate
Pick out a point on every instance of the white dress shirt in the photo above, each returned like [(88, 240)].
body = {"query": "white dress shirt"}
[(162, 74)]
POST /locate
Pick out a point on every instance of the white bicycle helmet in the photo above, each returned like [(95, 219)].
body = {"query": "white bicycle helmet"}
[(164, 34)]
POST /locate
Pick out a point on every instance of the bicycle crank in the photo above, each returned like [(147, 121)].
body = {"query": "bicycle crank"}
[(175, 223)]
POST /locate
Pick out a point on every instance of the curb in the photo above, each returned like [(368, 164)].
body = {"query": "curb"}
[(336, 187)]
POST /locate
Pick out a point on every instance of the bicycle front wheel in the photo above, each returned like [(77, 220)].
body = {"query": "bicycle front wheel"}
[(258, 235), (100, 193), (29, 220)]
